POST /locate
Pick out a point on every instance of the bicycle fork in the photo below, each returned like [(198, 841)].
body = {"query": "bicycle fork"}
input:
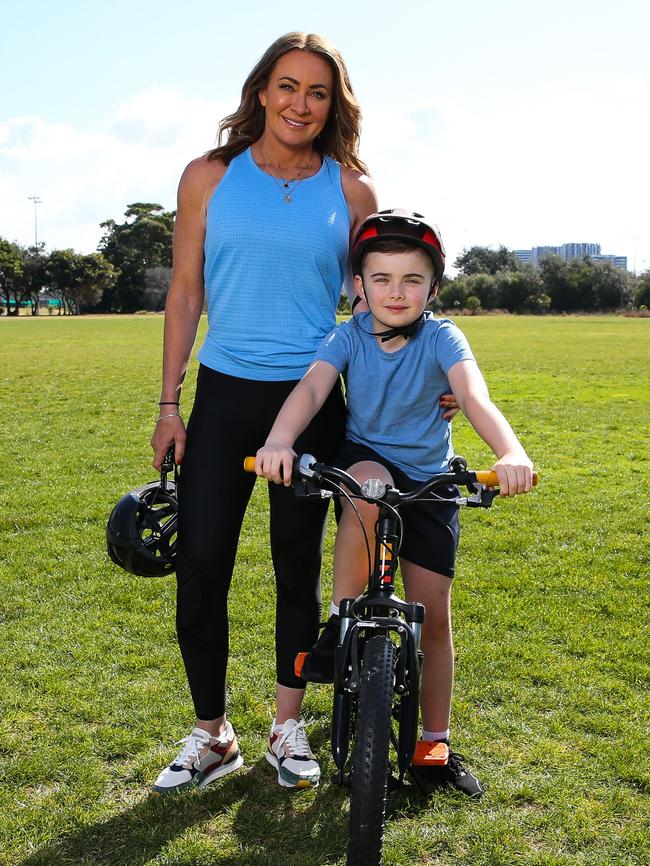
[(378, 609)]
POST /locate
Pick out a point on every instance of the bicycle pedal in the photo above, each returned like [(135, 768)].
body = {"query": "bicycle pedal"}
[(429, 754)]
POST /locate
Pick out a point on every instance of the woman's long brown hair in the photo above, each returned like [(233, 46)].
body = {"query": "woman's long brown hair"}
[(339, 137)]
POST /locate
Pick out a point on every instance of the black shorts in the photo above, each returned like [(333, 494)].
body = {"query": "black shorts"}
[(431, 529)]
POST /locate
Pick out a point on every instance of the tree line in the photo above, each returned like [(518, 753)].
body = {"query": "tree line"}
[(31, 278), (497, 280), (131, 271)]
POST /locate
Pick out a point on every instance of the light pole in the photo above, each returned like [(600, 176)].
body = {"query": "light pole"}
[(36, 201)]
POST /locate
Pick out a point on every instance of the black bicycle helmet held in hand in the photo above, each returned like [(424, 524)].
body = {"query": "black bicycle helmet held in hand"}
[(399, 225), (141, 530)]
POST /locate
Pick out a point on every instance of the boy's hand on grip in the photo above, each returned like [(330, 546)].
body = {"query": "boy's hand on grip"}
[(515, 473), (274, 461)]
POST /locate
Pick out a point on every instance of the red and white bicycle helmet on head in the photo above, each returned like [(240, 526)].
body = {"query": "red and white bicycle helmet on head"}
[(399, 225)]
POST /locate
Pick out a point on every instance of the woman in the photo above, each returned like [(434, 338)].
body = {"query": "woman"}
[(263, 222)]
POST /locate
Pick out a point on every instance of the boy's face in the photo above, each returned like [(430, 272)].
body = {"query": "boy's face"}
[(396, 286)]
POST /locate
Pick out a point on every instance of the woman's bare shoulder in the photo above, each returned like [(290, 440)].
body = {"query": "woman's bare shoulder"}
[(354, 179), (200, 178), (360, 194)]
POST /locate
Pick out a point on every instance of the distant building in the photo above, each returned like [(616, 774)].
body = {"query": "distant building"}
[(619, 262), (540, 253), (568, 252), (578, 251)]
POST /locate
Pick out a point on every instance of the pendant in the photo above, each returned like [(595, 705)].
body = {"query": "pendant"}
[(287, 198), (286, 184)]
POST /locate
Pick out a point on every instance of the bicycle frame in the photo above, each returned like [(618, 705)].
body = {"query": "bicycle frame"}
[(378, 609)]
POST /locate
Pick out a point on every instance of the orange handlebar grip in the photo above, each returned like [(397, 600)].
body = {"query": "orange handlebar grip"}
[(490, 478), (249, 464), (487, 477)]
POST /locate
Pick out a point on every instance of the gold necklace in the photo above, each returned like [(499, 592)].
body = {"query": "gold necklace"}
[(285, 184)]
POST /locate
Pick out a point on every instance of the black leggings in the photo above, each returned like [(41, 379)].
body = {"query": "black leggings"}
[(230, 419)]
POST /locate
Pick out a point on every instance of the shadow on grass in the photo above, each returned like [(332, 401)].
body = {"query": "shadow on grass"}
[(268, 824), (271, 825)]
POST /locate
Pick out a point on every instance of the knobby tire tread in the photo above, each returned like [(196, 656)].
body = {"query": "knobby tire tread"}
[(370, 762)]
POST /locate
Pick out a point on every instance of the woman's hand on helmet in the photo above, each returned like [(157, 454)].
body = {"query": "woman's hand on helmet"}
[(167, 432), (274, 461)]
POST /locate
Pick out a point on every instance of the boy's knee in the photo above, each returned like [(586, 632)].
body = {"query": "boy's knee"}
[(362, 472), (437, 623), (366, 469)]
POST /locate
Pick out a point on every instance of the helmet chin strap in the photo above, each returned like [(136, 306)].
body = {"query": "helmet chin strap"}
[(405, 331)]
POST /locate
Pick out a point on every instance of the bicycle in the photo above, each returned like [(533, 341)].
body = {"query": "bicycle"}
[(378, 658)]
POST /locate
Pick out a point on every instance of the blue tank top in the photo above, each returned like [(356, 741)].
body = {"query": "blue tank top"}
[(273, 271)]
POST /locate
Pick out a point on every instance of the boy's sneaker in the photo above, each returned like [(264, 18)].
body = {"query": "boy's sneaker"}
[(288, 751), (317, 666), (201, 760), (432, 771)]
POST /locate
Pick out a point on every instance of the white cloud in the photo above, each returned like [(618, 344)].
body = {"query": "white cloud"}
[(86, 177)]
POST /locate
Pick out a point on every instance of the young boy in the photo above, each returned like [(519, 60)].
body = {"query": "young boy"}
[(398, 361)]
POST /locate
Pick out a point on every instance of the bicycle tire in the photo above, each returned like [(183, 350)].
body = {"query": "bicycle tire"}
[(370, 758)]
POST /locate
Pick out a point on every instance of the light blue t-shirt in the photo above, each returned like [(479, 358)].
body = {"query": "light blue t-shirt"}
[(273, 270), (393, 397)]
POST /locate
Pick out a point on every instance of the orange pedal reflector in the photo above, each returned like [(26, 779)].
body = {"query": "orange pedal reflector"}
[(298, 663), (428, 754)]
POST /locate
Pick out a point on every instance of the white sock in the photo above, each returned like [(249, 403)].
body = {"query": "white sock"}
[(435, 736), (334, 609)]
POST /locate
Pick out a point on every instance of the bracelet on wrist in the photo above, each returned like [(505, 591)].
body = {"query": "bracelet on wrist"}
[(171, 415), (169, 403)]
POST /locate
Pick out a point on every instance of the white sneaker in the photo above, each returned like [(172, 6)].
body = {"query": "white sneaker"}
[(288, 751), (202, 759)]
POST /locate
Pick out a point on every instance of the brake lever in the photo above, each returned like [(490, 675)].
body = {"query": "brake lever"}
[(482, 498), (306, 489), (303, 485)]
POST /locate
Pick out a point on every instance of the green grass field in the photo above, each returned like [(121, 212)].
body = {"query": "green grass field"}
[(551, 703)]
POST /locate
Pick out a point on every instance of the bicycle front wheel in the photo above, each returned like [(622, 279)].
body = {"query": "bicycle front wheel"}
[(370, 765)]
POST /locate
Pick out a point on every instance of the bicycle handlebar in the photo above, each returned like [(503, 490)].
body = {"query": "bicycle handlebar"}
[(307, 467)]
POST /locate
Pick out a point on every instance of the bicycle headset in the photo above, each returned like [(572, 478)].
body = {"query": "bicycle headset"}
[(398, 225)]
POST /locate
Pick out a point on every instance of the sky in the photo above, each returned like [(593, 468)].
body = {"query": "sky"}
[(514, 123)]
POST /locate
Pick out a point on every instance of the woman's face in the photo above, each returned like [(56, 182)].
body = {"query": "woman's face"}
[(298, 98)]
